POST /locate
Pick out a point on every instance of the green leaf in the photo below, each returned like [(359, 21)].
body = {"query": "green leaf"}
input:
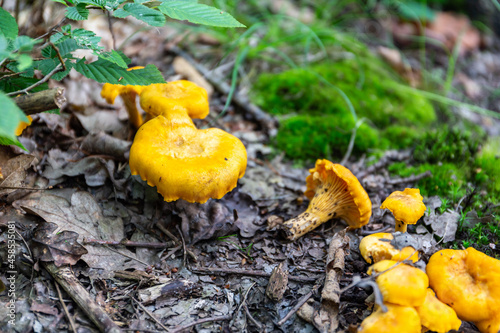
[(18, 83), (198, 13), (8, 24), (113, 57), (25, 43), (10, 119), (24, 62), (98, 3), (87, 39), (48, 65), (77, 13), (141, 12), (104, 71)]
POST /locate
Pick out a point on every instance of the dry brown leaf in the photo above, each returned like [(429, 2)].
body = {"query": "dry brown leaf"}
[(184, 68), (14, 171)]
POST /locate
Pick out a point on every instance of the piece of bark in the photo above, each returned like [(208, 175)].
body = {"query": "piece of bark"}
[(65, 277), (278, 282), (174, 288), (100, 143), (325, 316), (41, 101)]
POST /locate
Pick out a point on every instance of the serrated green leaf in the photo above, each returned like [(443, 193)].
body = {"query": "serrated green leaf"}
[(98, 3), (198, 13), (87, 39), (8, 24), (10, 119), (18, 83), (48, 65), (141, 12), (77, 13), (113, 57), (104, 71)]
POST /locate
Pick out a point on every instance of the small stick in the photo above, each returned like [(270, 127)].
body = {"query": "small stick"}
[(176, 240), (70, 319), (200, 321), (252, 319), (389, 156), (301, 302), (410, 179), (150, 314), (42, 81), (248, 272), (366, 232), (91, 241), (65, 277), (24, 188), (41, 101)]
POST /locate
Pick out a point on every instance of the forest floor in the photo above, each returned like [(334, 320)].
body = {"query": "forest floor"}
[(154, 266)]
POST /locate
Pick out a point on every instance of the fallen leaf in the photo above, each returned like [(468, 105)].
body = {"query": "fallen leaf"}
[(82, 214), (183, 67), (61, 247), (14, 172)]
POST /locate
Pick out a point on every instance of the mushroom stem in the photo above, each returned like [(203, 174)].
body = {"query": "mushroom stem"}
[(302, 224), (401, 226), (130, 104)]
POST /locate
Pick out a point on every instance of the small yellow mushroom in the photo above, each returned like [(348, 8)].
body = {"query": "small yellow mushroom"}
[(407, 207)]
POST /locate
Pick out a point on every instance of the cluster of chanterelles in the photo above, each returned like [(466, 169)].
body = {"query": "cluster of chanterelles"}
[(169, 152)]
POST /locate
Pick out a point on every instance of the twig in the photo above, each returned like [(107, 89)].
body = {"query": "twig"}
[(127, 243), (389, 157), (150, 314), (65, 277), (263, 118), (410, 179), (252, 319), (110, 26), (70, 319), (200, 321), (366, 232), (184, 251), (41, 101), (54, 28), (42, 81), (300, 302), (24, 188), (56, 49), (212, 270), (176, 240), (245, 297)]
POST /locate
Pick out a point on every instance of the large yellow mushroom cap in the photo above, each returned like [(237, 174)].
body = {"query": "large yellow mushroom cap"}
[(407, 207), (491, 325), (335, 193), (159, 98), (184, 162), (378, 247), (401, 284), (397, 319), (437, 316), (468, 281)]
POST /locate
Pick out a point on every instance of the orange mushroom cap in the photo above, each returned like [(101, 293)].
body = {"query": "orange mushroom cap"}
[(378, 247), (334, 193), (468, 281), (437, 316), (157, 99), (22, 126), (401, 284), (407, 207), (186, 163), (397, 319), (128, 93)]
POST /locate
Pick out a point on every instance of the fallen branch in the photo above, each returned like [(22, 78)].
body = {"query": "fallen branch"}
[(263, 118), (65, 277), (248, 272), (41, 101)]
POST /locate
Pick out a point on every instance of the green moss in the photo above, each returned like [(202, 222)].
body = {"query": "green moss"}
[(448, 180), (488, 168), (447, 144), (393, 119), (313, 137)]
